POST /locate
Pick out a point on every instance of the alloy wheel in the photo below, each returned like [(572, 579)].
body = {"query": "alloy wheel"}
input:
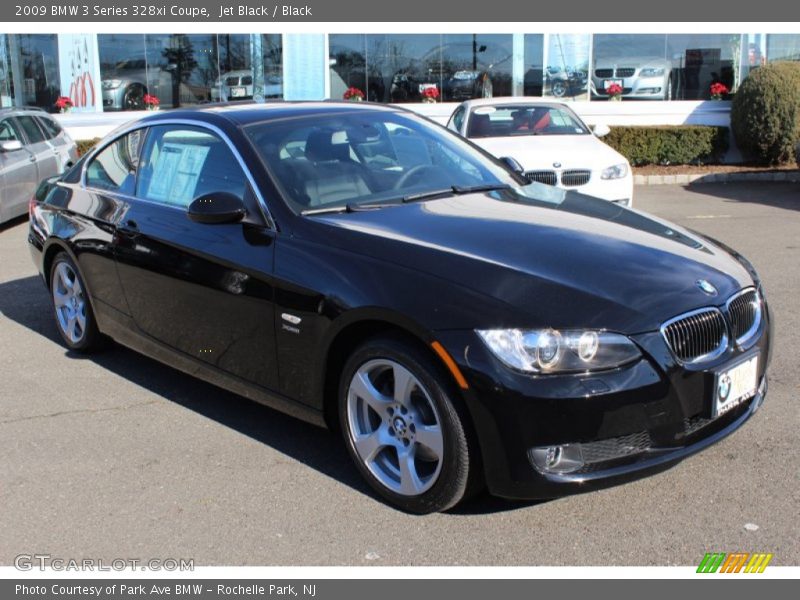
[(69, 302), (394, 427)]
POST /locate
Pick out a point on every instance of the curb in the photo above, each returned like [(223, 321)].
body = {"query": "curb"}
[(686, 179)]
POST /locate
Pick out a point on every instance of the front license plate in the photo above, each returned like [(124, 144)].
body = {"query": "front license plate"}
[(238, 92), (609, 82), (735, 385)]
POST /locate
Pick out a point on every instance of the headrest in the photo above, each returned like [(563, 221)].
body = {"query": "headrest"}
[(320, 146)]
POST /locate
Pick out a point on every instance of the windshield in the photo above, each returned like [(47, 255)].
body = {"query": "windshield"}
[(375, 158), (521, 119)]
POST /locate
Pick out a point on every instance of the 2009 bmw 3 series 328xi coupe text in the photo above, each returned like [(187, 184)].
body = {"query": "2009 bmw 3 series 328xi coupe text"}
[(363, 268)]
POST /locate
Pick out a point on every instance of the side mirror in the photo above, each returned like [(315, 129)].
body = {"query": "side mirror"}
[(512, 164), (601, 130), (10, 146), (216, 208)]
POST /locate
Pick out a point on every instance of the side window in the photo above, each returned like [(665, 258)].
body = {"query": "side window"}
[(31, 129), (49, 126), (179, 165), (9, 131), (458, 119), (114, 168)]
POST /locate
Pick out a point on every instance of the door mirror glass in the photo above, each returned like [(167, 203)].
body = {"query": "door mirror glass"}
[(217, 208), (10, 146)]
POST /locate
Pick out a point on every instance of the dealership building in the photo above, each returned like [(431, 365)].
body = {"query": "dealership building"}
[(665, 78)]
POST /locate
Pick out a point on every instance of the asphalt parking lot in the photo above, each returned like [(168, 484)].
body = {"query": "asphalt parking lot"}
[(119, 456)]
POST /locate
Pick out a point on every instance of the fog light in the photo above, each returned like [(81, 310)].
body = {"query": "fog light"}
[(557, 459)]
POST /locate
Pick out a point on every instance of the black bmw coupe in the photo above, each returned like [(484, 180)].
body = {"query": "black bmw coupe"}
[(362, 268)]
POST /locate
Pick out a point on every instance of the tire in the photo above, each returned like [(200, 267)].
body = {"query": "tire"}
[(71, 307), (559, 88), (133, 98), (669, 89), (423, 421)]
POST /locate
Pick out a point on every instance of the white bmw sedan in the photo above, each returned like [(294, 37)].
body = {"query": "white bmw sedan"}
[(550, 142)]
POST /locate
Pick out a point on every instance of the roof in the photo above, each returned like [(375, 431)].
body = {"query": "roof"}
[(246, 113)]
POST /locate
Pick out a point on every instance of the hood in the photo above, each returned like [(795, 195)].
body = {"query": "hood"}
[(582, 262), (541, 151)]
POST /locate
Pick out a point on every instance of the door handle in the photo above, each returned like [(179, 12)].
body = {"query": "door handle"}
[(130, 229)]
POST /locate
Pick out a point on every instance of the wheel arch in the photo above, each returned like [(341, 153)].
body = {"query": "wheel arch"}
[(352, 331)]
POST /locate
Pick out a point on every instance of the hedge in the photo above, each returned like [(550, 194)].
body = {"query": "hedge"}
[(85, 145), (670, 145), (765, 114)]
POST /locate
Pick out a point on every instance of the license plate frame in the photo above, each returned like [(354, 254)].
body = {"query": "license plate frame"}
[(238, 91), (741, 384)]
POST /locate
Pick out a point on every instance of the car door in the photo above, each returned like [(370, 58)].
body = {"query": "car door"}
[(203, 290), (46, 158), (19, 175)]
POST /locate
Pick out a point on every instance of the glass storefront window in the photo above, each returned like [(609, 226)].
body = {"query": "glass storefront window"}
[(665, 67), (783, 46), (533, 79), (123, 71), (567, 67), (182, 70), (637, 63), (399, 68), (701, 60), (34, 67)]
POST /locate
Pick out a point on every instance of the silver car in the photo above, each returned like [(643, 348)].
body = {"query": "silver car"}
[(639, 78), (33, 147)]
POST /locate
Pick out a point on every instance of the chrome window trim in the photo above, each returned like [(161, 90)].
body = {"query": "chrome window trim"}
[(750, 334), (188, 122), (724, 342)]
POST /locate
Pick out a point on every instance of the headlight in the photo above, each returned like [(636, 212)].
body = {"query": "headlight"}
[(615, 171), (551, 351), (111, 84), (651, 72)]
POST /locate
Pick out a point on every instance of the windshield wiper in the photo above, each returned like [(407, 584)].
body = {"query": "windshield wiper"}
[(350, 207), (323, 211), (453, 189), (482, 187), (426, 195)]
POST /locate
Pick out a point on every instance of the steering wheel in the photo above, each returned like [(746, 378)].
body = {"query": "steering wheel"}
[(415, 172)]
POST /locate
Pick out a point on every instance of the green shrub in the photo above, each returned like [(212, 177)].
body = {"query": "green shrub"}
[(765, 114), (669, 145), (85, 145)]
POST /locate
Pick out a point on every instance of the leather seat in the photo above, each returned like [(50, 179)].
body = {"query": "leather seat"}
[(330, 175)]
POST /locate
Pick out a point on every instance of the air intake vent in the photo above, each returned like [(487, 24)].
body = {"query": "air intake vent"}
[(697, 336), (744, 314), (575, 177), (547, 177)]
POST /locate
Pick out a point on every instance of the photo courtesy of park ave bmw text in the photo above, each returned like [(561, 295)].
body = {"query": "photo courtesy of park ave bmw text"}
[(298, 299)]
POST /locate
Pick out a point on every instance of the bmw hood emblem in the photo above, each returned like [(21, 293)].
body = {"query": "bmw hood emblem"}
[(557, 165), (706, 287)]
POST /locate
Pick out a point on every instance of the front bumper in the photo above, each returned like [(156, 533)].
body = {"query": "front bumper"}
[(629, 422), (640, 88)]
